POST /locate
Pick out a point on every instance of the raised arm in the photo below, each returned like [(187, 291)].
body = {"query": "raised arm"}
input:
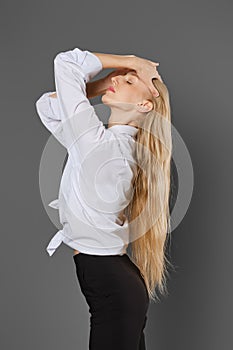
[(72, 70), (47, 109), (70, 115), (93, 88)]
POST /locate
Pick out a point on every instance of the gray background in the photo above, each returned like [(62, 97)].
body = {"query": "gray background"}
[(41, 304)]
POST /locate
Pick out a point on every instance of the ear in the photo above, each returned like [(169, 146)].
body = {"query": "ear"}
[(144, 106)]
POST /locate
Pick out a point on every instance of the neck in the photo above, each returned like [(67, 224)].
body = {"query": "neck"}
[(119, 117)]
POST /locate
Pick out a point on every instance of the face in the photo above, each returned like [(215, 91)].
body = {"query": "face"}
[(129, 92)]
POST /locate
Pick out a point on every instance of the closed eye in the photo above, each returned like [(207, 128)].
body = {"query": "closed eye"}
[(129, 82)]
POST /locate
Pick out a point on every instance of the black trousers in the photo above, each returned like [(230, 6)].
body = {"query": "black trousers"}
[(117, 298)]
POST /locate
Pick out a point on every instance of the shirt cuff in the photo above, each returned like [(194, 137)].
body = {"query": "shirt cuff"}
[(91, 66)]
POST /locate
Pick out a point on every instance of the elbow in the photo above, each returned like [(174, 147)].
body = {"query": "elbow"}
[(40, 105), (62, 66), (62, 58), (57, 59), (39, 102)]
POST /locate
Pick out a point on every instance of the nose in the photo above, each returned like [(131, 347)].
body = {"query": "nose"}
[(115, 80)]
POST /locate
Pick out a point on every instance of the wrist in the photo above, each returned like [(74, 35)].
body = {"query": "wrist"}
[(124, 61), (115, 61), (129, 61)]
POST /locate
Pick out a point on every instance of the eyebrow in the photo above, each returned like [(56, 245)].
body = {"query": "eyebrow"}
[(133, 73)]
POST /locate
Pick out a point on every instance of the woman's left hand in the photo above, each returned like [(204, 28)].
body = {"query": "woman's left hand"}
[(146, 70)]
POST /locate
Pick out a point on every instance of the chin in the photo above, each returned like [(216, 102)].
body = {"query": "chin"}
[(104, 100)]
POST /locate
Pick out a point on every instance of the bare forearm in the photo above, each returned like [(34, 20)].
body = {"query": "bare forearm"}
[(95, 88), (98, 87), (114, 61)]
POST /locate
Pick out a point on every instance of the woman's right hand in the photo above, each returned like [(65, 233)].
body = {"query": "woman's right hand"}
[(146, 70)]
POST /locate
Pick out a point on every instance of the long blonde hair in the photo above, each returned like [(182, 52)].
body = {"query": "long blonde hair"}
[(151, 191)]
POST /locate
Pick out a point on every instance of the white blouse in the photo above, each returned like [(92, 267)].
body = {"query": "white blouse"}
[(96, 182)]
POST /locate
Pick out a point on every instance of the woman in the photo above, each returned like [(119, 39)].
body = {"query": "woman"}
[(101, 163)]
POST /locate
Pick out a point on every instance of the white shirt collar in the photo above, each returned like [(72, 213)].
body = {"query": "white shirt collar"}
[(125, 129)]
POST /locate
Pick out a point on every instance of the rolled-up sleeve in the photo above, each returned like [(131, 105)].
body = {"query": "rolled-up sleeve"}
[(81, 125), (48, 111)]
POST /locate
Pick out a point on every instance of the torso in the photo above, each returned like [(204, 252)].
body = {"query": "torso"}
[(121, 217)]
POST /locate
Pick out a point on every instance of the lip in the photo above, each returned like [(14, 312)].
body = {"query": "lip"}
[(111, 88)]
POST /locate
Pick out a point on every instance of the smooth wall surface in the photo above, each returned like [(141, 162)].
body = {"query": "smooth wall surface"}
[(41, 303)]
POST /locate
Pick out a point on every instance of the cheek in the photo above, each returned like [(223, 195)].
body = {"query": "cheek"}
[(131, 97), (126, 95)]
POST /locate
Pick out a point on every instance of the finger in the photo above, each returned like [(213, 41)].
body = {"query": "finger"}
[(154, 91), (160, 78)]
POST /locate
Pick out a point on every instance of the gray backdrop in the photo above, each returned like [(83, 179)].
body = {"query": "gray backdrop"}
[(41, 303)]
